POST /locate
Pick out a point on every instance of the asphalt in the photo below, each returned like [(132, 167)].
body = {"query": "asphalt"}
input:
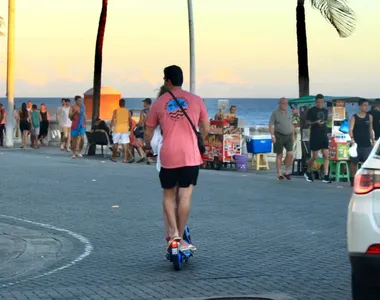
[(92, 229)]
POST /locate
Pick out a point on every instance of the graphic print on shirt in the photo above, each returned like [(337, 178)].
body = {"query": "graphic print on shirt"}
[(321, 115), (174, 111)]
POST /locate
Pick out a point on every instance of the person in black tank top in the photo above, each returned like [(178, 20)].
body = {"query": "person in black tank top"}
[(361, 132)]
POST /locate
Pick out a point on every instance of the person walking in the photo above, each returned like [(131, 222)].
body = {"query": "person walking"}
[(78, 127), (282, 132), (122, 121), (24, 121), (180, 156), (316, 118), (45, 121), (65, 125), (361, 132), (36, 119), (375, 112), (3, 121)]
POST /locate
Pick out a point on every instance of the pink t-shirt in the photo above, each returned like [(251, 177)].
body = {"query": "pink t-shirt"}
[(180, 145)]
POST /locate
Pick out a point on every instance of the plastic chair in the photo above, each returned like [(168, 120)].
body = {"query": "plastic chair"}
[(336, 170)]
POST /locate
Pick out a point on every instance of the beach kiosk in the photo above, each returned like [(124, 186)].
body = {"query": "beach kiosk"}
[(109, 101)]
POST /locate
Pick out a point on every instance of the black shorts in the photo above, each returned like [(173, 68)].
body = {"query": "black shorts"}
[(181, 177), (319, 143), (363, 154)]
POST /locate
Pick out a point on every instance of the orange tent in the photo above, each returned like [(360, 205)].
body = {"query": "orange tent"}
[(109, 101)]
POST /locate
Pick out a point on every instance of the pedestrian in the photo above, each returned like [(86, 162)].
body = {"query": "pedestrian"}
[(65, 125), (317, 117), (35, 117), (24, 121), (78, 127), (375, 112), (361, 132), (140, 128), (3, 121), (180, 155), (122, 123), (45, 121), (282, 132), (58, 118)]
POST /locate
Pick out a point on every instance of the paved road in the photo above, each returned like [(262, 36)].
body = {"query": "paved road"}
[(256, 235)]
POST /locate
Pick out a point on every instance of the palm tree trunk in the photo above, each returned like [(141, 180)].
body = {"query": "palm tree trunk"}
[(191, 44), (303, 64), (98, 62)]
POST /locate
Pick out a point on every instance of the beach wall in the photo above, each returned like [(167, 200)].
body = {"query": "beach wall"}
[(53, 138)]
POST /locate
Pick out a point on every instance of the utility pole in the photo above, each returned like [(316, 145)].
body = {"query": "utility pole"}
[(10, 74), (191, 44)]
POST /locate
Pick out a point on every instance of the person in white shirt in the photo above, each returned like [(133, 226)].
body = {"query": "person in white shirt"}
[(58, 118), (65, 124)]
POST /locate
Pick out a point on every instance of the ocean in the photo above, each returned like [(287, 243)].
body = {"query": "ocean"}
[(255, 111)]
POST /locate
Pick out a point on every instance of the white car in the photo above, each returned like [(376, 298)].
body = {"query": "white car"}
[(363, 229)]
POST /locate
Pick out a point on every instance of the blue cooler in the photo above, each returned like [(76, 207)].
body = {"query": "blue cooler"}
[(259, 144)]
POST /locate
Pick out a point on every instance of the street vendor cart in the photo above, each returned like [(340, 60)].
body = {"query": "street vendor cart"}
[(337, 124), (222, 144)]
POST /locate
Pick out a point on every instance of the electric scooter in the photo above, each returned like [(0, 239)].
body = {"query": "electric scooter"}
[(175, 255)]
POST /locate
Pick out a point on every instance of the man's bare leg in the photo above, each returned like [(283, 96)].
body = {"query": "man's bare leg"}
[(288, 162), (183, 209), (115, 147), (279, 164), (81, 144), (169, 204), (325, 153), (74, 142), (126, 152), (313, 158)]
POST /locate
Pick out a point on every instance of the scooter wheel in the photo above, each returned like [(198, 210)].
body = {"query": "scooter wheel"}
[(177, 261)]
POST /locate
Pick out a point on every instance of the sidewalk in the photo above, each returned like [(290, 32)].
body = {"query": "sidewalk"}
[(256, 235)]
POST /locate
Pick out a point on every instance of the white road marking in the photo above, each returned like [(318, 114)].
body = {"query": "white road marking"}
[(87, 248)]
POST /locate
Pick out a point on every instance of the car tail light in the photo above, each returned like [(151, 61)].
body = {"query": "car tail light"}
[(366, 180), (373, 249)]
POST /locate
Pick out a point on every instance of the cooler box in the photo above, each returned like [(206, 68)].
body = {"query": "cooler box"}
[(259, 144)]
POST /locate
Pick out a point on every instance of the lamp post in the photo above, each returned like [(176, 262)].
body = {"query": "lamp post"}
[(10, 74), (191, 44)]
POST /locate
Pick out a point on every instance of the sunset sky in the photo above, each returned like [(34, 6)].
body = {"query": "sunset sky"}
[(244, 48)]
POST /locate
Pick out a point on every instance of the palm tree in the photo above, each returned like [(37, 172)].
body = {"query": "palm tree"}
[(98, 62), (338, 14)]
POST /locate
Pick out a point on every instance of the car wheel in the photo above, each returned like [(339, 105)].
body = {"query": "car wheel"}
[(362, 289)]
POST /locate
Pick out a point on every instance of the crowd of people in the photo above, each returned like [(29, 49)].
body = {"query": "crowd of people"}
[(285, 126)]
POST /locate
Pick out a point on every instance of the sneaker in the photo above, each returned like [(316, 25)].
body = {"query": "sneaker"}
[(62, 147), (308, 177), (326, 179)]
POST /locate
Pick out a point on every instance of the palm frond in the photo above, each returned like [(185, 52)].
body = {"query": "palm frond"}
[(339, 14)]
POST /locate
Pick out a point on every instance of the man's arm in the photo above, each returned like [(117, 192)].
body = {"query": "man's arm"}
[(130, 121), (150, 125), (148, 135), (352, 125), (204, 128), (72, 113), (141, 119), (113, 120), (371, 133), (271, 127)]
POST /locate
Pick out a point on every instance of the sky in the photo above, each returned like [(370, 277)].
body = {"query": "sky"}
[(243, 48)]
